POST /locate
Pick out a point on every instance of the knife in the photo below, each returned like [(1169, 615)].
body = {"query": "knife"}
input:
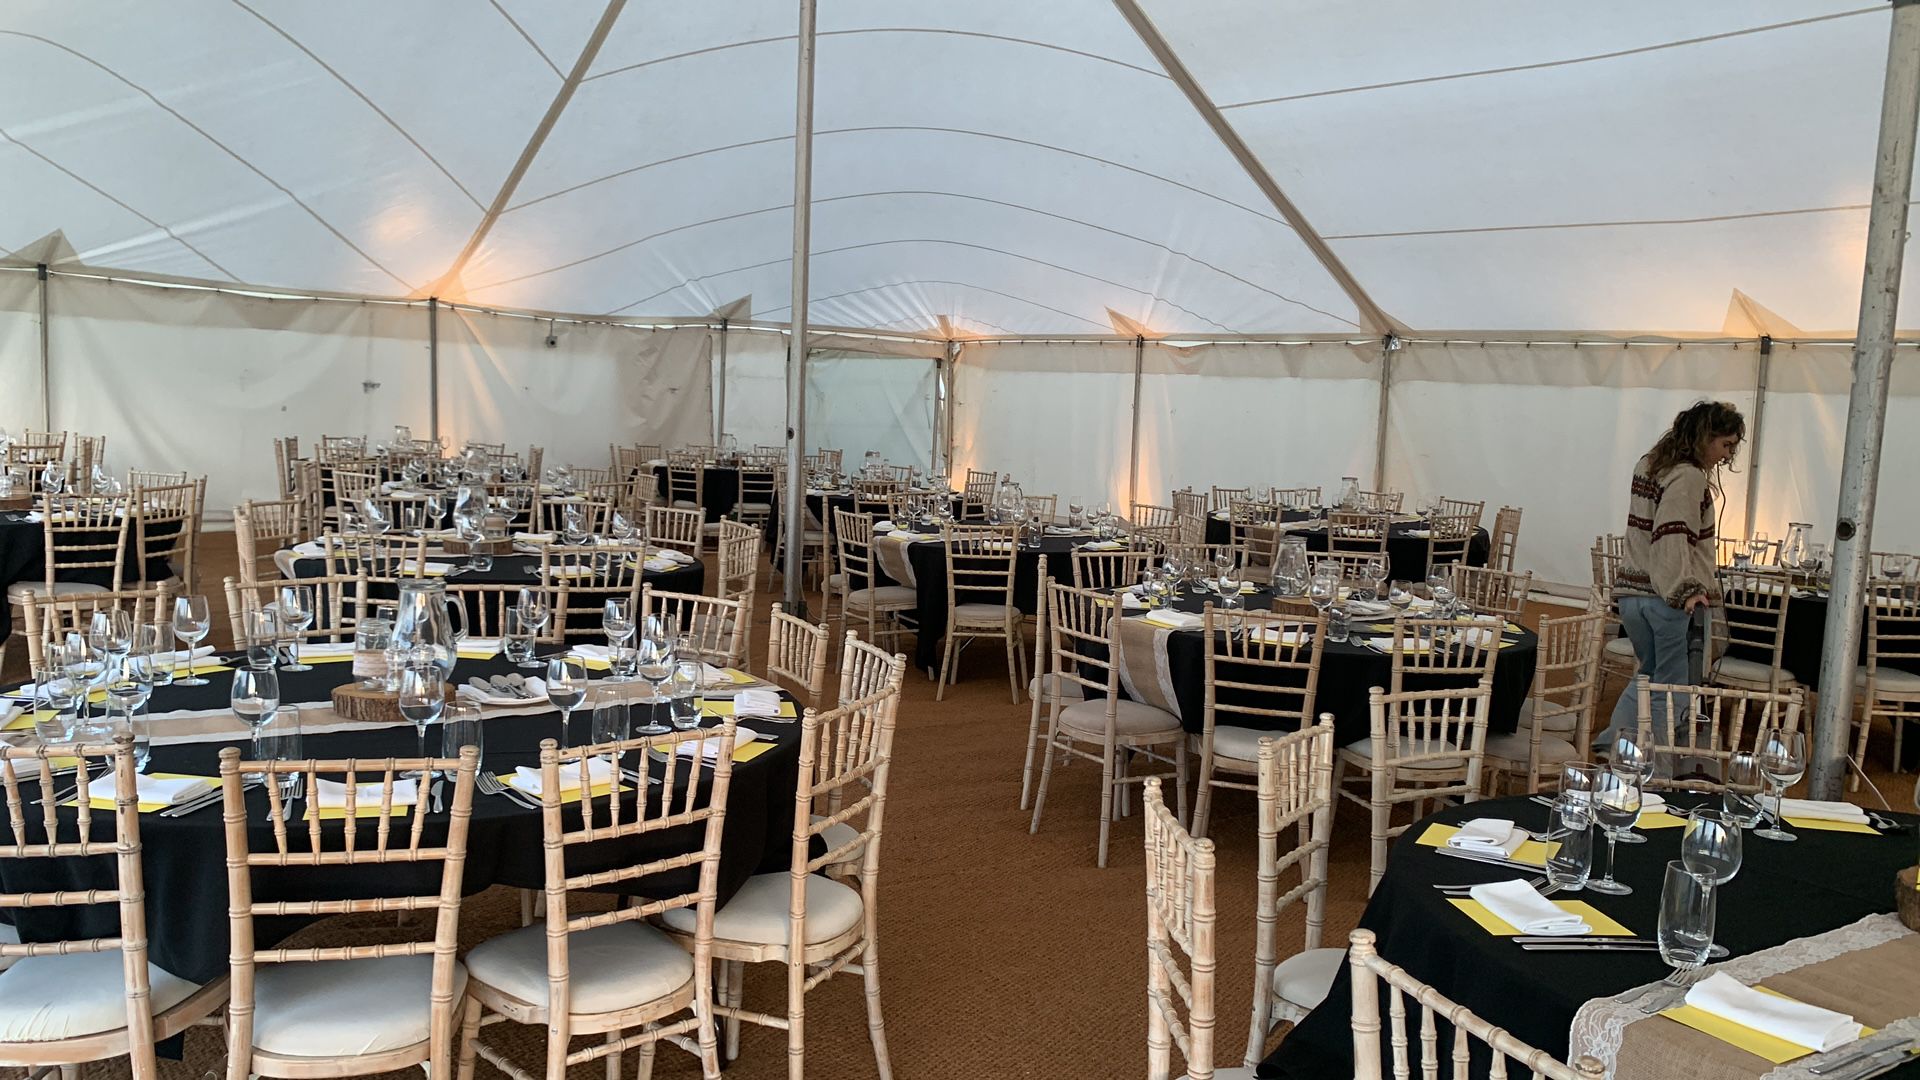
[(1881, 1062), (1490, 860), (1856, 1050), (1545, 939), (1578, 945)]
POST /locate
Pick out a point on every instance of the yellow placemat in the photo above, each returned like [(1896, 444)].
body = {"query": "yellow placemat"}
[(475, 654), (752, 750), (105, 801), (1498, 927), (1823, 825), (567, 795), (200, 668), (738, 676), (1659, 819), (25, 720), (329, 658), (724, 707), (590, 665), (360, 810), (1532, 852), (1773, 1048)]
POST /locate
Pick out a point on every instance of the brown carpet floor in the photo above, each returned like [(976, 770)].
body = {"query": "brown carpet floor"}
[(1003, 954)]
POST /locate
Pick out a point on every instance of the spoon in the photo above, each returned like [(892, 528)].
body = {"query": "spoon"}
[(502, 686), (519, 684), (482, 685)]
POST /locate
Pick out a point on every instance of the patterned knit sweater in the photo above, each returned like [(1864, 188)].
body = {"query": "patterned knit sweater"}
[(1670, 536)]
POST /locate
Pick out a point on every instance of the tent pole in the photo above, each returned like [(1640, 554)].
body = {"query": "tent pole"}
[(433, 367), (720, 407), (1754, 429), (1867, 406), (796, 499), (1133, 446), (953, 362), (46, 357), (942, 425), (1388, 346)]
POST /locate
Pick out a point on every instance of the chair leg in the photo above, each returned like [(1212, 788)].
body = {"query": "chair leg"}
[(1381, 817), (1203, 798), (946, 666), (469, 1031), (736, 971), (1013, 665), (796, 1019), (870, 971), (1033, 740), (1046, 777), (1107, 791), (613, 1060)]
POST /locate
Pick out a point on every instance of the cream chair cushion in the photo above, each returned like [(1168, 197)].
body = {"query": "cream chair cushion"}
[(994, 615), (1515, 747), (45, 998), (1363, 749), (1304, 978), (1239, 743), (21, 592), (685, 504), (1889, 680), (609, 968), (1057, 685), (1088, 719), (837, 835), (1559, 723), (338, 1008), (882, 597), (758, 912), (1621, 649), (1748, 671)]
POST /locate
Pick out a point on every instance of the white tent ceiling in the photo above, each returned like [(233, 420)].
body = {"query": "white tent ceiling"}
[(1019, 167)]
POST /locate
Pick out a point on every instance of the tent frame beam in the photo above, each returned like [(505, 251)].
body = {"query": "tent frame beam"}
[(1371, 317), (1867, 406), (795, 494), (46, 356), (720, 402)]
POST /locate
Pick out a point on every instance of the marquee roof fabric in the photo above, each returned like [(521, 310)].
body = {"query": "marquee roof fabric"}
[(987, 168)]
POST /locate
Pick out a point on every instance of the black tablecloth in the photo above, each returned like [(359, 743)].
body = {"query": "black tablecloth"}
[(23, 550), (524, 570), (184, 857), (719, 492), (1783, 891), (1406, 554)]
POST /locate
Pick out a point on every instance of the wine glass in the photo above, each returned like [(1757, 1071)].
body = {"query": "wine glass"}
[(1375, 572), (1632, 755), (656, 658), (1616, 806), (1324, 588), (423, 697), (87, 668), (460, 727), (154, 641), (1741, 800), (254, 697), (566, 688), (1400, 594), (1783, 761), (1711, 845), (295, 603), (110, 633), (1076, 511), (534, 613), (129, 688), (1227, 579), (436, 510), (190, 624)]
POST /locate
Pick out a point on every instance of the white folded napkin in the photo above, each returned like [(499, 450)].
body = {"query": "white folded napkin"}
[(34, 516), (1795, 1021), (591, 652), (884, 525), (676, 555), (1521, 906), (1367, 609), (599, 771), (1286, 637), (1822, 811), (1102, 545), (1488, 836), (908, 536), (1131, 601), (154, 789), (8, 711), (310, 549), (333, 794), (1174, 620), (1418, 533), (756, 703), (181, 656), (710, 748), (432, 569), (659, 564), (479, 644), (533, 537), (710, 674), (326, 648), (1479, 639), (1652, 803), (471, 694)]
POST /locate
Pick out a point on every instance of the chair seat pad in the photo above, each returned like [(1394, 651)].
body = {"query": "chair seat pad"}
[(21, 592), (994, 615), (609, 968), (884, 596), (1515, 747), (759, 507), (1364, 749), (1240, 743), (1622, 648), (1557, 723), (837, 835), (837, 581), (685, 504), (1088, 719), (1304, 978), (1055, 686), (47, 998), (1748, 671), (337, 1008), (1889, 680), (758, 912)]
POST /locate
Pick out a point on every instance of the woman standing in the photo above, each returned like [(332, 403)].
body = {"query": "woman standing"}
[(1667, 575)]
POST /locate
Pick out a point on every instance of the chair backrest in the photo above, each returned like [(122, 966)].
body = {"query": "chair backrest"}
[(1605, 555), (797, 654), (1189, 503), (1043, 507), (1489, 589), (1381, 502), (334, 447), (1432, 730), (83, 533), (1253, 530), (350, 486), (592, 515), (1297, 498), (845, 755), (687, 481), (1085, 639), (37, 448), (1893, 629), (584, 578), (1362, 532), (1368, 970), (756, 498), (679, 529), (1260, 667), (1754, 617), (385, 557), (1724, 721), (1109, 569), (153, 478), (853, 544), (165, 522), (866, 669), (340, 601), (262, 527), (1506, 538), (716, 626), (1445, 507), (1294, 783), (978, 490), (1444, 648), (1223, 498), (1448, 539), (1566, 671), (1180, 943), (75, 839), (51, 618), (980, 563), (739, 562), (1153, 516)]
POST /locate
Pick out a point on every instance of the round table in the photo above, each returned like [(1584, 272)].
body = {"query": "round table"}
[(1831, 879), (184, 857), (23, 550), (1406, 542)]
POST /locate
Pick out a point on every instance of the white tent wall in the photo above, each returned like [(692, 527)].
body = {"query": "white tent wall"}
[(1554, 428), (858, 402), (598, 384), (756, 377), (203, 381), (1805, 429), (1243, 414), (20, 386), (1057, 415)]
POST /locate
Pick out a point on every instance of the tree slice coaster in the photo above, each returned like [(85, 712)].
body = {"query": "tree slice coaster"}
[(454, 546), (1907, 897), (357, 703)]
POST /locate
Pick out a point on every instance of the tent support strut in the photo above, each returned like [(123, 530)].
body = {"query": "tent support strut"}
[(720, 405), (795, 494), (46, 356), (1133, 445), (1754, 430), (433, 367)]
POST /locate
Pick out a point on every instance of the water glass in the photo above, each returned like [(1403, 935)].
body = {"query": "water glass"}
[(1711, 846), (55, 698), (280, 738), (515, 639), (683, 695), (611, 716), (459, 727), (295, 606), (1570, 826), (1686, 918), (623, 663), (1400, 594), (262, 630), (1741, 800), (1338, 622)]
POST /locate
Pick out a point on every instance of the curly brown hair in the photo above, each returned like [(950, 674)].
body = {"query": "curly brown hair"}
[(1686, 441)]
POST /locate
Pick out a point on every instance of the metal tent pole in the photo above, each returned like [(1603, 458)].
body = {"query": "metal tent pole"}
[(1388, 346), (953, 361), (1133, 446), (1754, 430), (433, 367), (1867, 408), (796, 498), (46, 357), (720, 406)]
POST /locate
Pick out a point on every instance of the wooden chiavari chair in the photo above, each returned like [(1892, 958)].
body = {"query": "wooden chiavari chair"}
[(286, 462), (1720, 721), (687, 485), (153, 478), (1362, 533), (676, 527), (1261, 668), (1188, 503), (739, 562), (714, 626), (99, 998), (1223, 498), (1448, 540), (1294, 778), (52, 618), (1381, 502), (608, 973), (1753, 617), (759, 488), (811, 924), (1370, 969), (863, 596), (552, 514), (81, 536), (1616, 654), (1556, 724), (1149, 516), (1085, 625), (1043, 507), (350, 486), (1298, 498), (981, 562), (1181, 912), (1109, 569), (340, 447), (582, 580), (1042, 690), (1489, 590), (261, 528), (354, 1009), (977, 494), (380, 557), (36, 448), (165, 527), (1466, 508), (1426, 744), (1888, 687), (340, 602), (873, 496), (1253, 530), (866, 670), (1506, 538), (797, 655)]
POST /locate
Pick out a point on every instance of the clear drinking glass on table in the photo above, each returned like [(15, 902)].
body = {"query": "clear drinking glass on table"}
[(684, 695), (534, 611), (1742, 798), (295, 604), (656, 660), (460, 726), (262, 629), (254, 697), (1783, 761), (516, 641), (191, 623), (110, 632), (1570, 843), (1339, 622), (612, 716), (1631, 754), (1711, 850), (54, 698), (423, 698), (1686, 918), (280, 736), (1616, 806), (1227, 580), (566, 689)]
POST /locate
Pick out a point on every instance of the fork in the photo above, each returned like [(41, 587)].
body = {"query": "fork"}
[(294, 788), (490, 784), (1673, 988)]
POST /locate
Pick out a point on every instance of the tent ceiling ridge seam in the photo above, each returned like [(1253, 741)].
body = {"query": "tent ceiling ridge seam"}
[(854, 31), (943, 281), (528, 38), (1621, 224)]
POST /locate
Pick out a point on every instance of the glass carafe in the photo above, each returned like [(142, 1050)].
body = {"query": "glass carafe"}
[(1793, 549), (1290, 565), (426, 621), (1349, 492)]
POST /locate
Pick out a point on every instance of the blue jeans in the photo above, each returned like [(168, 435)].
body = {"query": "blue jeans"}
[(1659, 635)]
